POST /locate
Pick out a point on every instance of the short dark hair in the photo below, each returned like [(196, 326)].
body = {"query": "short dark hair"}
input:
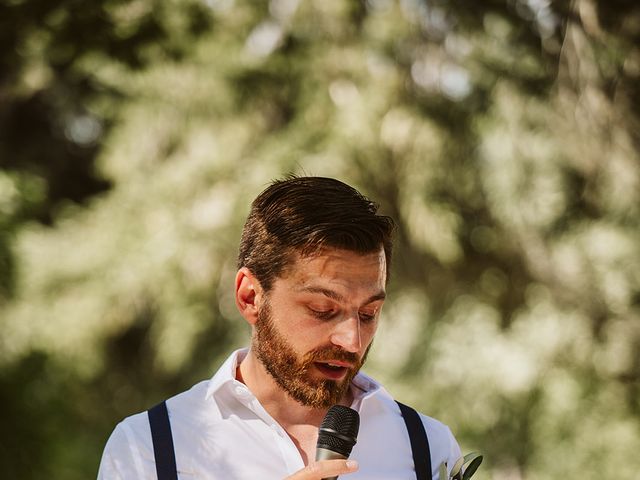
[(305, 214)]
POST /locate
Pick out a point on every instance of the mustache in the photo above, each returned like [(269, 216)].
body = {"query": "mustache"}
[(331, 353)]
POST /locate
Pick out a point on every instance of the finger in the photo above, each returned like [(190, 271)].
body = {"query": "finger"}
[(324, 469)]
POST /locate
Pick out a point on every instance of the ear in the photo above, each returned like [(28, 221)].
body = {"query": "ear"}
[(248, 295)]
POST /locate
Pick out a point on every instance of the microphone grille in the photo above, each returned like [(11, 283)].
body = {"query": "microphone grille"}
[(339, 430)]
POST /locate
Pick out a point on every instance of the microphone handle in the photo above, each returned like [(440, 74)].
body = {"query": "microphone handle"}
[(325, 454)]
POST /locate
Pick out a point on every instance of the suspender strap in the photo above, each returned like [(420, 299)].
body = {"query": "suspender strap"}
[(162, 442), (419, 442), (166, 459)]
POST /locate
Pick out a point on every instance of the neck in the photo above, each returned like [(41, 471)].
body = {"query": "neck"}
[(281, 406), (299, 421)]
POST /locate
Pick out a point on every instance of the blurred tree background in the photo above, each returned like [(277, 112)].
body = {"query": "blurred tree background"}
[(503, 136)]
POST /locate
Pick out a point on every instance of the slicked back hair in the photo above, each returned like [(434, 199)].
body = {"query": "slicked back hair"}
[(302, 215)]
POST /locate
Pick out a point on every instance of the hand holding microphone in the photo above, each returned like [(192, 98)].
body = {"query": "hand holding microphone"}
[(336, 438)]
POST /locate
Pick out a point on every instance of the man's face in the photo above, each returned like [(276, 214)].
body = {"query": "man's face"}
[(317, 323)]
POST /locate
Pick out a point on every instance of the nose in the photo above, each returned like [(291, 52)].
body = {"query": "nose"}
[(347, 334)]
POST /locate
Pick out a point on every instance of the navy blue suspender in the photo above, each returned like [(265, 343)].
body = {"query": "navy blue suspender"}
[(419, 442), (162, 442), (166, 459)]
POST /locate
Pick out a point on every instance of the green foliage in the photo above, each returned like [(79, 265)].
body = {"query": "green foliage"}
[(463, 469), (502, 136)]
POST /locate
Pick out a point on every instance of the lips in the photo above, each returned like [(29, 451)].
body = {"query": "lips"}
[(334, 370)]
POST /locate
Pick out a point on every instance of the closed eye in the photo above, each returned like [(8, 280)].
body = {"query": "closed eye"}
[(323, 314), (367, 317)]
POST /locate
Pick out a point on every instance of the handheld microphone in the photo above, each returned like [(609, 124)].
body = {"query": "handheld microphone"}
[(337, 435)]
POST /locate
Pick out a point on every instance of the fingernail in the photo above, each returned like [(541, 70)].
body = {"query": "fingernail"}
[(352, 464)]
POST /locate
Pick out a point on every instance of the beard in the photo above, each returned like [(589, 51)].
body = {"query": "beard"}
[(292, 372)]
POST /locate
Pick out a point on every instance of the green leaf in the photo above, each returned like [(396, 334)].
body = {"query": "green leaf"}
[(457, 467), (471, 456), (475, 461)]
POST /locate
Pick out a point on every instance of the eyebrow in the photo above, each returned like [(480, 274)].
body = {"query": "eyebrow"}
[(332, 294)]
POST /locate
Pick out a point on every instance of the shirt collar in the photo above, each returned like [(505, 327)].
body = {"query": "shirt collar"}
[(362, 385), (226, 374)]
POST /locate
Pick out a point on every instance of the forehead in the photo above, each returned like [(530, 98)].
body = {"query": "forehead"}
[(340, 269)]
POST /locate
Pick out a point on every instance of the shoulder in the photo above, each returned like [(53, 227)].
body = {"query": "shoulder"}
[(129, 450), (384, 448), (181, 408), (441, 439), (442, 443)]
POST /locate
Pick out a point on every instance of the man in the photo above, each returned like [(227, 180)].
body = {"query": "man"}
[(312, 271)]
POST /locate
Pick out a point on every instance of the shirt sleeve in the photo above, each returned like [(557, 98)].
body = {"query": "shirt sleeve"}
[(454, 453), (443, 446), (120, 459)]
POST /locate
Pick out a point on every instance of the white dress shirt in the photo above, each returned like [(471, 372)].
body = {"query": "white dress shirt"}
[(221, 431)]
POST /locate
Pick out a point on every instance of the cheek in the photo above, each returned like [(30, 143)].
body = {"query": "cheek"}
[(305, 332)]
